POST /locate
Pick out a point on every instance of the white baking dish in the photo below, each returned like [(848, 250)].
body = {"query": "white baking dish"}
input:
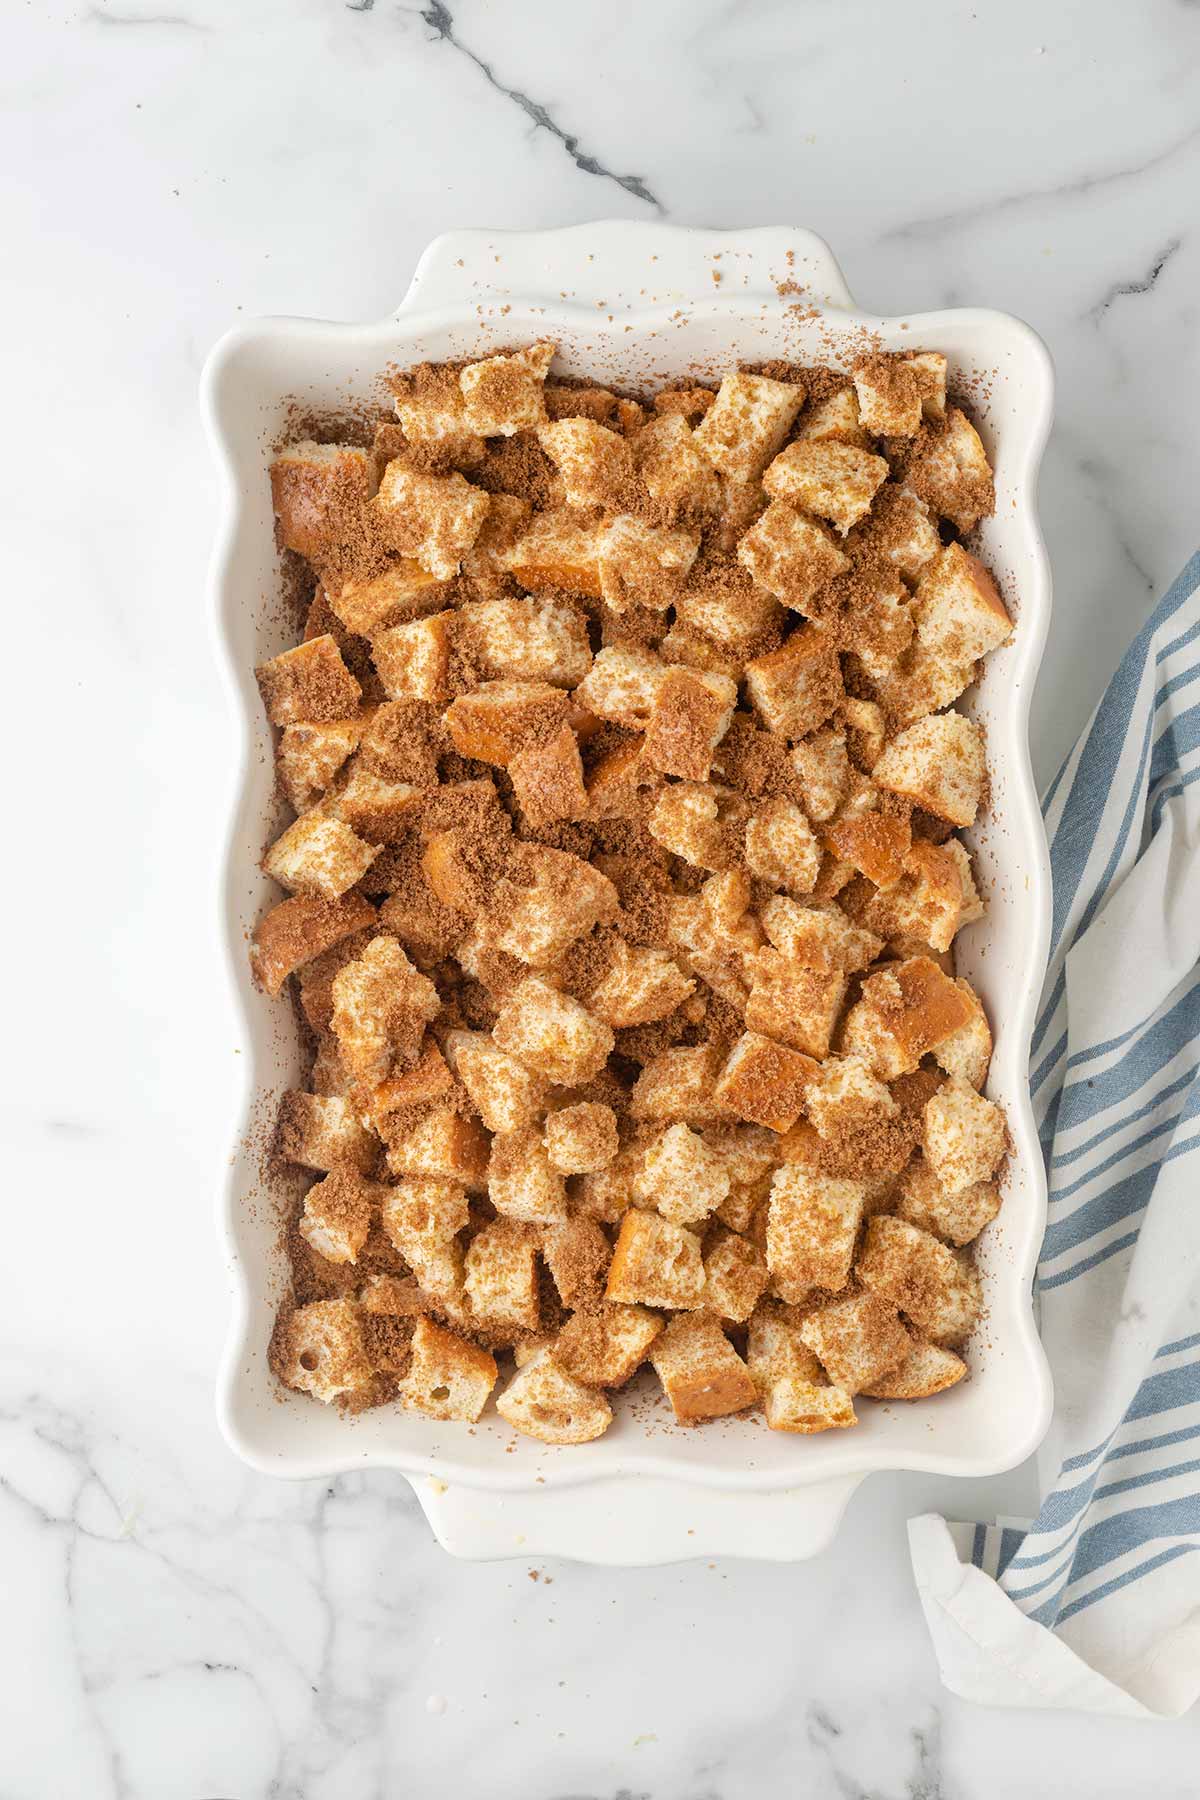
[(627, 301)]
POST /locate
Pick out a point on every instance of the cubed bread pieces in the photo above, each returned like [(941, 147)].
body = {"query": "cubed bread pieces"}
[(789, 555), (548, 780), (577, 1254), (432, 518), (688, 717), (605, 1345), (926, 1370), (643, 565), (433, 418), (889, 395), (381, 1006), (843, 1095), (308, 685), (319, 1349), (448, 1378), (402, 592), (791, 1383), (735, 1275), (950, 471), (871, 841), (656, 1264), (424, 1083), (827, 478), (554, 899), (965, 1138), (501, 1275), (958, 611), (313, 487), (508, 1095), (956, 1218), (685, 820), (764, 1082), (905, 1010), (639, 987), (747, 422), (967, 1052), (794, 1002), (595, 463), (822, 768), (413, 660), (445, 1145), (499, 719), (515, 638), (307, 757), (901, 531), (702, 1374), (681, 1177), (506, 394), (938, 764), (673, 470), (680, 1085), (930, 1285), (781, 846), (422, 1217), (378, 810), (836, 419), (857, 1340), (552, 1034), (818, 934), (812, 1228), (297, 931), (337, 1214), (320, 1131), (560, 550), (796, 688), (934, 898), (581, 1139), (546, 1403), (622, 685), (523, 1183)]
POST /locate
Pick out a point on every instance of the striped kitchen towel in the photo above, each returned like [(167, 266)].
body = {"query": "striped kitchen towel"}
[(1096, 1603)]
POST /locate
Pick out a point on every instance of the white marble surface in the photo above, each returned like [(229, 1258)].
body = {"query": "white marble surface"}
[(172, 1626)]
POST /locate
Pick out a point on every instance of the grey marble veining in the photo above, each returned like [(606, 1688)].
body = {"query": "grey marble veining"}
[(175, 1627)]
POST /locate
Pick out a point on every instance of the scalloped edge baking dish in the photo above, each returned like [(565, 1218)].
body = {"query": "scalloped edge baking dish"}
[(627, 301)]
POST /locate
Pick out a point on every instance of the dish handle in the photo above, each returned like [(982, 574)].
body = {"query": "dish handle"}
[(626, 264), (633, 1523)]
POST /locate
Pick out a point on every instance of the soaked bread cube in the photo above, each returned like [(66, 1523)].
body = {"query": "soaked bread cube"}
[(577, 1254), (926, 1370), (506, 394), (623, 685), (404, 591), (722, 603), (835, 419), (938, 764), (641, 985), (781, 847), (889, 395), (958, 612), (955, 1218), (499, 719), (819, 935), (681, 1177), (794, 1002), (515, 639), (685, 820), (827, 478), (501, 1276), (643, 565), (320, 1131), (448, 1378), (507, 1095), (595, 463), (312, 487), (444, 1145), (523, 1183), (381, 1006), (308, 685), (735, 1275), (379, 810), (320, 1350), (308, 757), (967, 1051), (672, 469), (843, 1096), (949, 469), (796, 688), (791, 1383), (680, 1085), (790, 556), (655, 1263), (337, 1215), (559, 550), (552, 1034), (413, 660), (812, 1228), (937, 1290), (688, 718), (432, 518), (764, 1082), (965, 1138), (421, 1219), (933, 899), (548, 779), (565, 897), (747, 422), (702, 1374), (605, 1345), (858, 1340), (582, 1138), (299, 930), (905, 1011), (823, 772), (546, 1403)]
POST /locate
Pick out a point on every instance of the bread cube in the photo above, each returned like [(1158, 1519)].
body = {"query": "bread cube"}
[(926, 1370), (413, 660), (781, 847), (934, 898), (905, 1011), (715, 948), (582, 1138), (378, 810), (702, 1374), (790, 556), (679, 1086), (507, 1095), (336, 1219), (843, 1095), (747, 422), (559, 550), (958, 612), (827, 478), (565, 897), (296, 931), (501, 1276), (967, 1051), (320, 1131), (433, 418), (955, 1218), (548, 780), (607, 1195), (938, 764), (643, 565), (623, 685), (741, 503), (422, 1218), (689, 716), (381, 1006), (426, 1082), (552, 1034), (433, 518), (721, 602), (835, 419), (790, 1381), (546, 1403), (448, 1378), (516, 639), (308, 757), (312, 487), (950, 471), (485, 564), (685, 820), (595, 463), (929, 367), (871, 841), (446, 1146), (523, 1183), (499, 719), (883, 628), (681, 1177), (735, 1275), (506, 394), (764, 1082), (795, 689), (577, 1254), (933, 1287), (641, 985), (793, 1002), (655, 1263), (821, 936), (672, 468), (605, 1345), (858, 1340), (812, 1228), (901, 531), (889, 395), (308, 685), (965, 1138), (404, 591), (823, 771), (320, 1350)]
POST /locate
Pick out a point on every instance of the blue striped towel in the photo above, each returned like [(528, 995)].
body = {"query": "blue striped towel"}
[(1096, 1603)]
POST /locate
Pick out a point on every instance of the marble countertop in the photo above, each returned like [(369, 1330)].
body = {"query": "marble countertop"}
[(175, 1627)]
